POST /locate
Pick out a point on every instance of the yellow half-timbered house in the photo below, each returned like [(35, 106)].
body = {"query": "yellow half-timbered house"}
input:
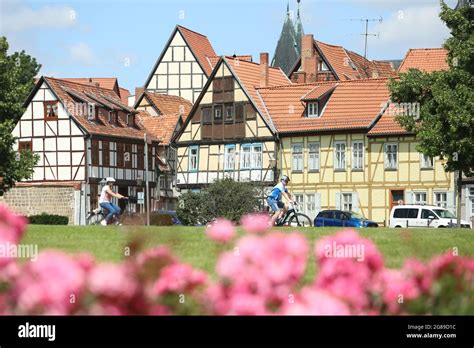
[(228, 133)]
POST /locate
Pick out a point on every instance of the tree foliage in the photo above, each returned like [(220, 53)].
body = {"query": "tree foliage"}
[(223, 198), (14, 166), (445, 125), (17, 72)]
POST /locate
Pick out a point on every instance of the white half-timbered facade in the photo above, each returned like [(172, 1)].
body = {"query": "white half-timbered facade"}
[(183, 66), (82, 134)]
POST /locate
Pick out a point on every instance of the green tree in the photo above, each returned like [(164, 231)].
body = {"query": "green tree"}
[(445, 124), (17, 72), (14, 166)]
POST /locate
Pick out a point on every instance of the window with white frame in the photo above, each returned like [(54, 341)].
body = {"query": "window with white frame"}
[(419, 198), (313, 156), (229, 157), (299, 198), (391, 156), (313, 109), (310, 205), (251, 156), (340, 155), (426, 161), (193, 158), (297, 155), (358, 155), (346, 203), (441, 199)]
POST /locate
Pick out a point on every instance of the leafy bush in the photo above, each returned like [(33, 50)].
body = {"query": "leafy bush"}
[(161, 218), (224, 198), (48, 219)]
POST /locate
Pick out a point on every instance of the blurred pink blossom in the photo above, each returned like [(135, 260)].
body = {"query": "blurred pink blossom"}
[(221, 231), (256, 223), (53, 284)]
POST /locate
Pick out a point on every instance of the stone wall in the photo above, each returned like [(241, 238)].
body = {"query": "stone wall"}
[(33, 200)]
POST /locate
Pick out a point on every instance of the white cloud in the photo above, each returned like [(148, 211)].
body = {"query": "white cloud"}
[(16, 17), (81, 53), (411, 27)]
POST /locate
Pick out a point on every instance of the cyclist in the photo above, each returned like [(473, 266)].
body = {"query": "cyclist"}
[(105, 201), (274, 199)]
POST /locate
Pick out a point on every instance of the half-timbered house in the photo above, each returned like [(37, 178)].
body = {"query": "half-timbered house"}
[(162, 116), (82, 133), (184, 65), (227, 133), (343, 149)]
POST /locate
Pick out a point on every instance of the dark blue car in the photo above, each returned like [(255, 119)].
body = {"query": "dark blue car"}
[(339, 218)]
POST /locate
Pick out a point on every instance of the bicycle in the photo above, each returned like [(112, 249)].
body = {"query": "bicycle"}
[(97, 215), (294, 218)]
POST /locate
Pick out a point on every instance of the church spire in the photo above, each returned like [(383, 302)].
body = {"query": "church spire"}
[(298, 28)]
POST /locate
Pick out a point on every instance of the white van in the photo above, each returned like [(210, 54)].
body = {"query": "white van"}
[(423, 216)]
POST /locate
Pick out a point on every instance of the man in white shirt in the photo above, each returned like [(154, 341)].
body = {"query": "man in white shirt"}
[(105, 201)]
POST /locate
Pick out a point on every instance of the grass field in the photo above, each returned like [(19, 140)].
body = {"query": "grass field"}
[(191, 245)]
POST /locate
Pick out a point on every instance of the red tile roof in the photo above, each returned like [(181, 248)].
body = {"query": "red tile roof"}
[(162, 126), (248, 73), (200, 46), (169, 104), (68, 91), (318, 91), (387, 125), (425, 59), (353, 105), (348, 65), (104, 82)]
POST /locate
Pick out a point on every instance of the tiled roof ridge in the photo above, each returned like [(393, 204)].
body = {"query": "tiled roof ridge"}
[(195, 32), (79, 84), (247, 62), (295, 85)]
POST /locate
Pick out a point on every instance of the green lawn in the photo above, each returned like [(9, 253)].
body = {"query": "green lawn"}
[(192, 246)]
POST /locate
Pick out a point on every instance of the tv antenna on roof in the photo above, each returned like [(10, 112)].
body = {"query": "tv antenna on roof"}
[(367, 34)]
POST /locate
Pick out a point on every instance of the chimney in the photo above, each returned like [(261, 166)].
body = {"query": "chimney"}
[(263, 69), (138, 91), (309, 60)]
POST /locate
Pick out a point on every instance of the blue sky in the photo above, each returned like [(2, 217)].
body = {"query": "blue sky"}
[(123, 38)]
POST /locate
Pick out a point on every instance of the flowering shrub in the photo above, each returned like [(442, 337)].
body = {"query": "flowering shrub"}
[(261, 274)]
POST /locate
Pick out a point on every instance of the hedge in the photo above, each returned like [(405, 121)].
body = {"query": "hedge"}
[(48, 219)]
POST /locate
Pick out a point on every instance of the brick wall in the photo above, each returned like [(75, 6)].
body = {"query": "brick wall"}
[(33, 200)]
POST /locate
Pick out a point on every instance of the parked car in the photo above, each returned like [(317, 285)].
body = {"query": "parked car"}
[(341, 218), (423, 216)]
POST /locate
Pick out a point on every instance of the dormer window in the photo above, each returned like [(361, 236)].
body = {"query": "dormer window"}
[(313, 109), (91, 112), (113, 117)]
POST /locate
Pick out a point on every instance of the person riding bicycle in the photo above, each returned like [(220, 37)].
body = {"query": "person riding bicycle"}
[(105, 201), (275, 202)]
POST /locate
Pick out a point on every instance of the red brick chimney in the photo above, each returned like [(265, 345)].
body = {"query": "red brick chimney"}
[(263, 69), (309, 60), (138, 91)]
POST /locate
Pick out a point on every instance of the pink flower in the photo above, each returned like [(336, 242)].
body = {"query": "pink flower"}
[(221, 231), (12, 228), (261, 270), (178, 278), (398, 287), (113, 282), (54, 284), (348, 268), (150, 262), (256, 223), (311, 301)]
